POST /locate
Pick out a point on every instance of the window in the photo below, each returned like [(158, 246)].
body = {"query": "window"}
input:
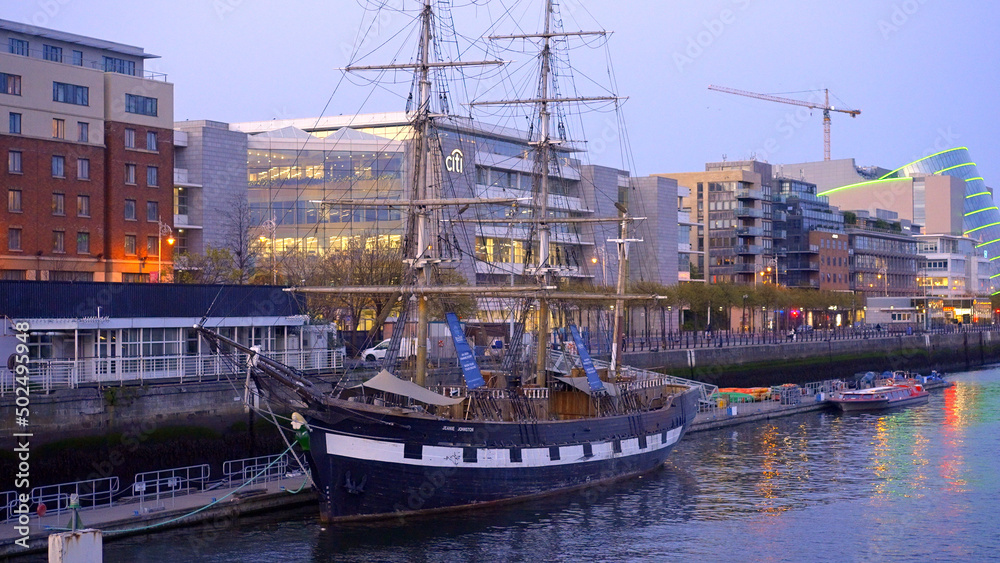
[(18, 46), (83, 243), (151, 140), (14, 201), (13, 238), (130, 210), (152, 176), (152, 211), (83, 206), (130, 138), (152, 246), (130, 174), (129, 244), (58, 204), (78, 58), (52, 53), (15, 123), (58, 128), (121, 66), (14, 162), (83, 168), (70, 94), (59, 241), (58, 166), (180, 202), (141, 105), (84, 131), (10, 84), (135, 278)]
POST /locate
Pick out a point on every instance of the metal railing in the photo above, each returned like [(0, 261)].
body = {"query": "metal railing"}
[(9, 505), (48, 375), (563, 362), (93, 493), (152, 485), (246, 469)]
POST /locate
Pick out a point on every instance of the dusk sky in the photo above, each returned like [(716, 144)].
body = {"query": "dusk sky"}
[(919, 70)]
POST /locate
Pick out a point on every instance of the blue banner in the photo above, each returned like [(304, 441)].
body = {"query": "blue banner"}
[(588, 364), (466, 359)]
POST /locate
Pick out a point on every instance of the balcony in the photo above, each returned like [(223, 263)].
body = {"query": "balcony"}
[(749, 212), (744, 268), (750, 232), (746, 193), (748, 249), (779, 234), (779, 216)]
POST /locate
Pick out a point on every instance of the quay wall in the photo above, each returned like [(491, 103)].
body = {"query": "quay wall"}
[(800, 362)]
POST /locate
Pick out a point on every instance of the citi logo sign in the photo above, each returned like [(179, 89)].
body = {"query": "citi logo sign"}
[(455, 162)]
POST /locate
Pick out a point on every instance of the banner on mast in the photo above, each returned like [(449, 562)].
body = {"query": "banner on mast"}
[(588, 364), (466, 358)]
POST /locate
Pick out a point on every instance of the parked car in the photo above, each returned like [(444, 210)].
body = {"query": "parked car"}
[(803, 328), (407, 348)]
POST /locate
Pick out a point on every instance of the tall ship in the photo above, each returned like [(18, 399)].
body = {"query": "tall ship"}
[(401, 443)]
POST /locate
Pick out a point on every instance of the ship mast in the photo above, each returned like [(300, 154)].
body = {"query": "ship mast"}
[(422, 260), (543, 153)]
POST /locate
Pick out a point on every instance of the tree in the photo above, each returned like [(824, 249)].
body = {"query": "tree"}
[(215, 266), (241, 239)]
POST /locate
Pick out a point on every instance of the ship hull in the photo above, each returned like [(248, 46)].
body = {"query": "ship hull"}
[(403, 466)]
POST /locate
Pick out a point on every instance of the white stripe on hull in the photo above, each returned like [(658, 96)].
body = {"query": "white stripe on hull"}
[(442, 456)]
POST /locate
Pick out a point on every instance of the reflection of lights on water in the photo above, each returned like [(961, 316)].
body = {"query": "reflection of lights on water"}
[(900, 455), (957, 406)]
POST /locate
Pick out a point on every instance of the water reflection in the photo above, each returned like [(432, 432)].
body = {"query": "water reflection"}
[(913, 484)]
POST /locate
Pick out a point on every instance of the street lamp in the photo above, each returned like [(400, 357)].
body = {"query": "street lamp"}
[(163, 230)]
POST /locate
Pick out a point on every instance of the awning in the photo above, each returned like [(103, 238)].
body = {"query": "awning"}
[(582, 384), (389, 383)]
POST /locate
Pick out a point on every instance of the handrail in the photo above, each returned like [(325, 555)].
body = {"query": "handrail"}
[(247, 468), (154, 484), (92, 493)]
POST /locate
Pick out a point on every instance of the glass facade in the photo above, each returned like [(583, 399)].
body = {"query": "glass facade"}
[(286, 184), (982, 218)]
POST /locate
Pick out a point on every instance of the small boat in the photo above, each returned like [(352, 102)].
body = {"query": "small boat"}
[(878, 398)]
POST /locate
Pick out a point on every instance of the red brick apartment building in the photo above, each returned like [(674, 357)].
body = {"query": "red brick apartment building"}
[(88, 138)]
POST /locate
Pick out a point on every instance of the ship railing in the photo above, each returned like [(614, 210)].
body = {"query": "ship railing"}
[(91, 494), (246, 470), (563, 362), (463, 391), (48, 375), (152, 485)]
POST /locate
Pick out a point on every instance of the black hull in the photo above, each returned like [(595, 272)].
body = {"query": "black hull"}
[(401, 465)]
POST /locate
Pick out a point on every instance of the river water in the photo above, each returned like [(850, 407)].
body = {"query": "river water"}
[(918, 484)]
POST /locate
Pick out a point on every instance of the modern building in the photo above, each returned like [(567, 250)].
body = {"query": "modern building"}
[(89, 148), (943, 193), (951, 267), (883, 254), (210, 183), (302, 179), (731, 207), (814, 252)]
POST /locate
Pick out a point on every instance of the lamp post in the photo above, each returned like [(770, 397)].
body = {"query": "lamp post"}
[(163, 230)]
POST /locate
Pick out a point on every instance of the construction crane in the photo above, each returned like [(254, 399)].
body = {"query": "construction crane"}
[(826, 107)]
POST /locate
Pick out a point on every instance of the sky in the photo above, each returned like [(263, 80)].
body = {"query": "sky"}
[(920, 71)]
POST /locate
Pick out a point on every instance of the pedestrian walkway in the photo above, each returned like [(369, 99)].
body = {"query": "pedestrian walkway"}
[(129, 516)]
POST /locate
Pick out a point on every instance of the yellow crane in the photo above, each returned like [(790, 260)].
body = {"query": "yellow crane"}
[(826, 107)]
